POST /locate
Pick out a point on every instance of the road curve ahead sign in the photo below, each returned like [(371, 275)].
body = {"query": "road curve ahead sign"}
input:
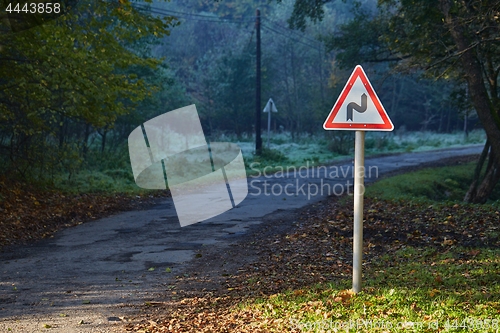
[(358, 107)]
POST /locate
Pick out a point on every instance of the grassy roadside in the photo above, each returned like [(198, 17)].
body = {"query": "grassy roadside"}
[(412, 289), (430, 265), (434, 185)]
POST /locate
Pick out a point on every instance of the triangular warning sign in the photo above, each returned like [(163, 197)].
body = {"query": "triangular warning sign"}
[(358, 107)]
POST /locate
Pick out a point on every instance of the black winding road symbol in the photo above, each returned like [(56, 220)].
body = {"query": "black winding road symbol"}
[(359, 108)]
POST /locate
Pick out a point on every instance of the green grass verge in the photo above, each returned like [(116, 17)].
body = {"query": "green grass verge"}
[(412, 290), (443, 184), (91, 181)]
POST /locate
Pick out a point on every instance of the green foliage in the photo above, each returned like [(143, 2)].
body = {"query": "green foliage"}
[(109, 181), (271, 155), (434, 184), (379, 143), (342, 142), (306, 9), (235, 102), (70, 76), (368, 32), (268, 157)]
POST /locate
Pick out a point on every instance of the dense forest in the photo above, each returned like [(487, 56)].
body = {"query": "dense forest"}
[(73, 88)]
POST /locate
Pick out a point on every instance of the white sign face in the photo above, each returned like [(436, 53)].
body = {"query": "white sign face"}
[(270, 106), (358, 107)]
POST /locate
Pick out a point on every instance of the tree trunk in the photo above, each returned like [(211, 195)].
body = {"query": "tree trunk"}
[(85, 145), (481, 100), (103, 142), (471, 193), (62, 130), (487, 185)]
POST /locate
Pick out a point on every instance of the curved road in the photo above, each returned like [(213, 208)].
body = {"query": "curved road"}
[(81, 279)]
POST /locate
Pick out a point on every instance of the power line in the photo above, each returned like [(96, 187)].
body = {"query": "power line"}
[(288, 30), (289, 37), (191, 16), (250, 40), (207, 18)]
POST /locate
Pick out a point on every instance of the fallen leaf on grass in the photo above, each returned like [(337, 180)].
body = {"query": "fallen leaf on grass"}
[(448, 241), (298, 292), (414, 307), (433, 292), (474, 252), (344, 296)]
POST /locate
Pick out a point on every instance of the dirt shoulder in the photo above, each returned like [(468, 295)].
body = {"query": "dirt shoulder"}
[(28, 213)]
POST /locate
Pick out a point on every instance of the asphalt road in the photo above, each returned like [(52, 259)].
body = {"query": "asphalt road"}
[(84, 278)]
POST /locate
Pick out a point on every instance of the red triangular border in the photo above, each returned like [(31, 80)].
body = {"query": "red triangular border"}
[(330, 125)]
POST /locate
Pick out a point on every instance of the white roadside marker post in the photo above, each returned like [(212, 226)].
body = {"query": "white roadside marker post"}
[(359, 190)]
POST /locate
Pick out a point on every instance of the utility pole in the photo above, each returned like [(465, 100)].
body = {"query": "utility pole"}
[(258, 139)]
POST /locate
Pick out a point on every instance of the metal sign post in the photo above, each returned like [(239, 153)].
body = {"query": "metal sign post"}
[(268, 128), (359, 190), (359, 109)]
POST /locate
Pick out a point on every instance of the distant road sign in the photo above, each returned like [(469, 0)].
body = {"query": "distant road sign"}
[(270, 106), (368, 115)]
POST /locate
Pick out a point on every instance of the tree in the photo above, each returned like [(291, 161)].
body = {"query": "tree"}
[(448, 39), (74, 73), (475, 31)]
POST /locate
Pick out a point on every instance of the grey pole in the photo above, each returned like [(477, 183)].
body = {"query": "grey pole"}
[(269, 124), (359, 189)]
